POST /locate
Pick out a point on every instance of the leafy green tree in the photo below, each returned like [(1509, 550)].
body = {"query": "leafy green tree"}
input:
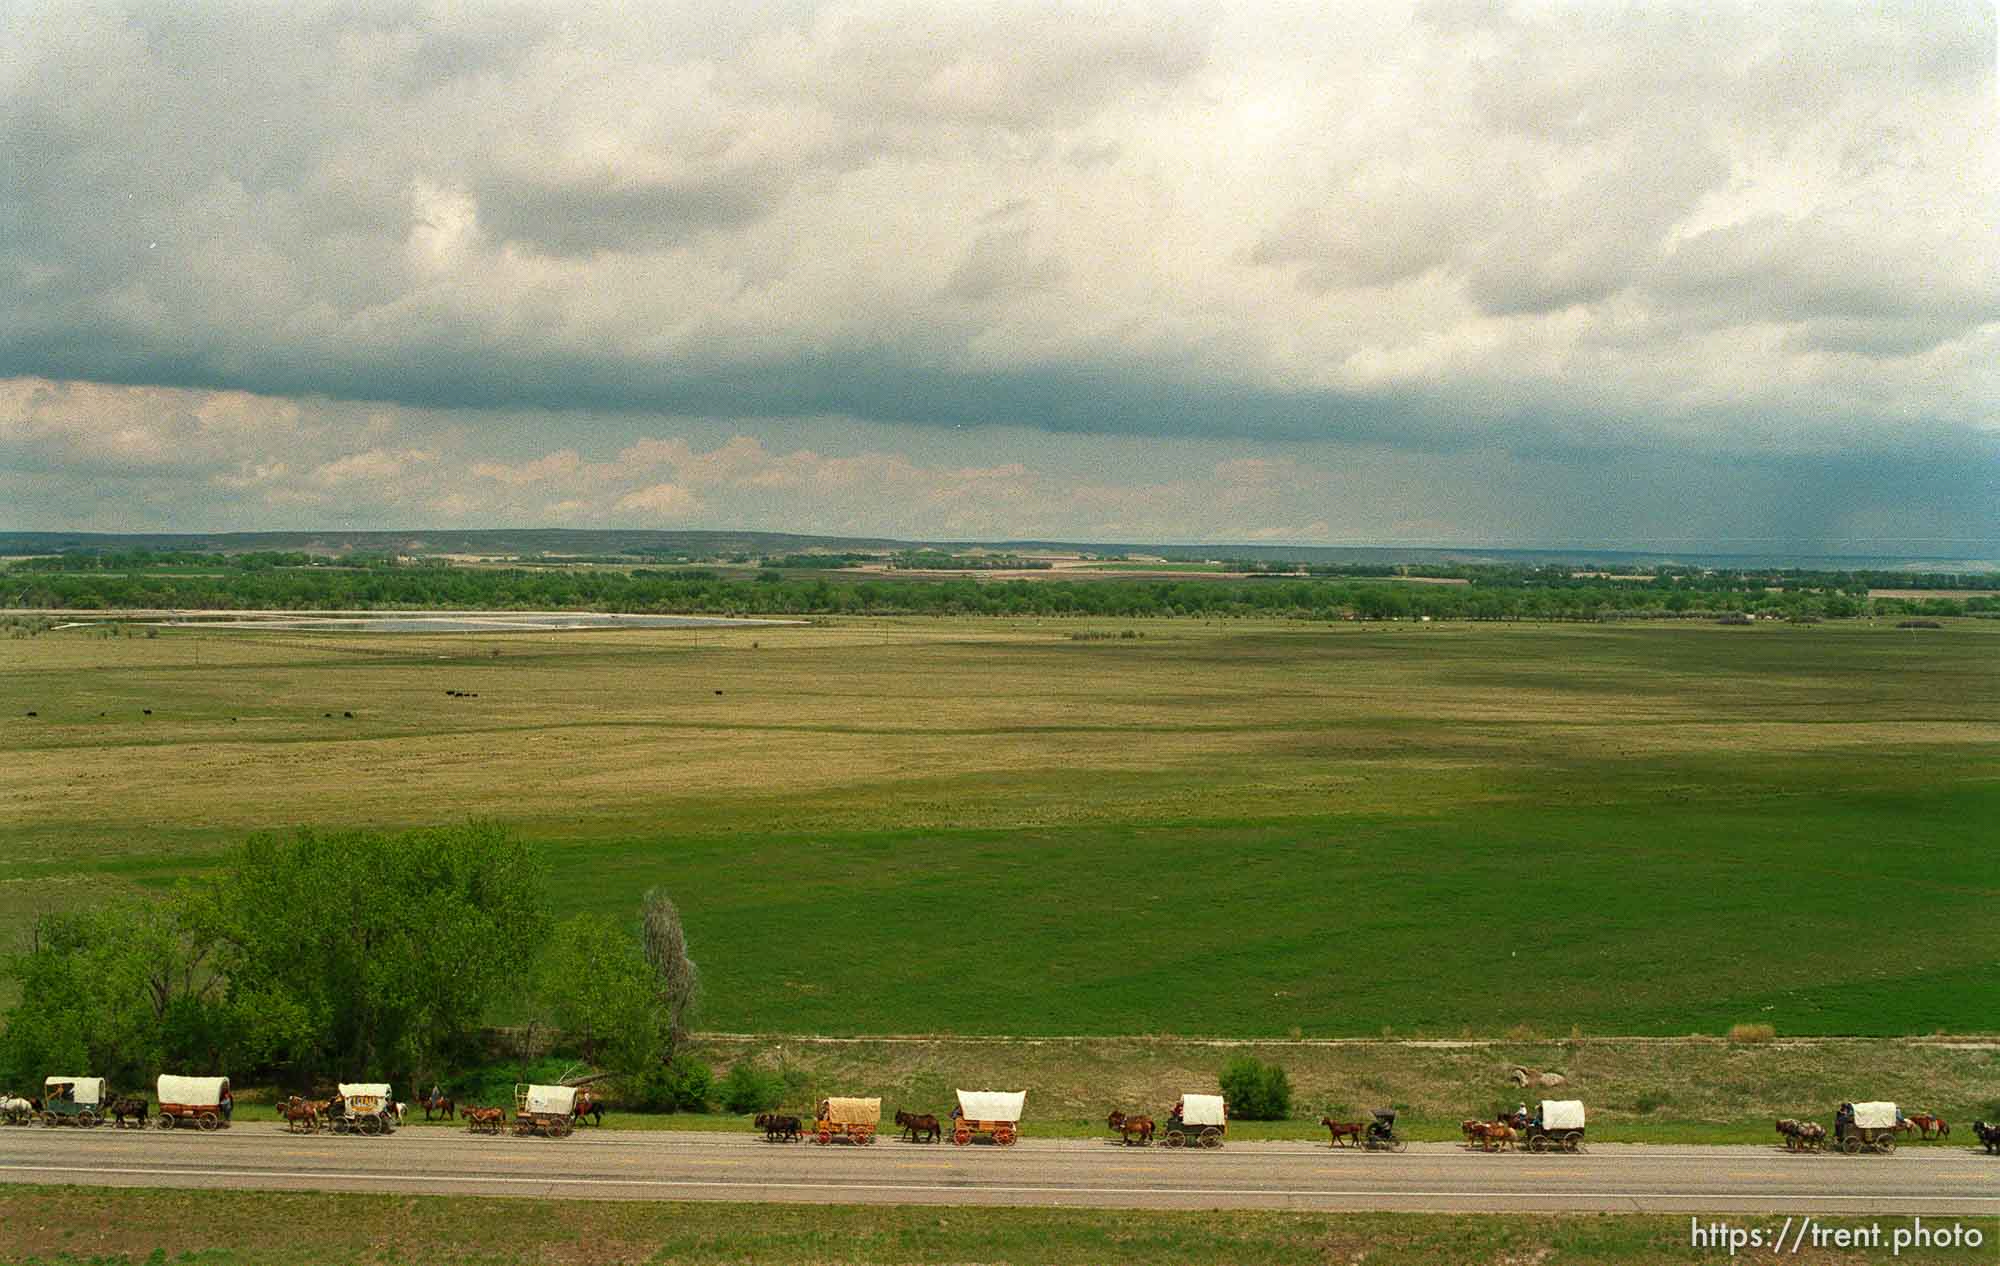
[(593, 983), (111, 992), (364, 954)]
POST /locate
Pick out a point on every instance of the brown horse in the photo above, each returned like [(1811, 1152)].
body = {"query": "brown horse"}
[(299, 1115), (1338, 1130), (922, 1127), (1495, 1135), (1130, 1128), (440, 1104), (484, 1120), (1929, 1121)]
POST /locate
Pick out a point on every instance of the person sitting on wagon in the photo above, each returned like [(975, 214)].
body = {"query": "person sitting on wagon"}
[(228, 1104), (1180, 1106)]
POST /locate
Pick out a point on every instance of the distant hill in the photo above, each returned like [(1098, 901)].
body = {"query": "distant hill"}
[(643, 543)]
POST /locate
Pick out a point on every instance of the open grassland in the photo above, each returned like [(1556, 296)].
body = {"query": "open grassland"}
[(225, 1228), (986, 826)]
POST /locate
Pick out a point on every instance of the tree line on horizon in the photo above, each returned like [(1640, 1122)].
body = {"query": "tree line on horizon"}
[(1489, 592)]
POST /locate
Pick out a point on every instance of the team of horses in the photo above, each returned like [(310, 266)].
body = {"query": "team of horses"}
[(1802, 1136)]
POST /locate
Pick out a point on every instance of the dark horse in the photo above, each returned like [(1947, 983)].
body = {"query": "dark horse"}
[(921, 1127), (1988, 1134), (127, 1106), (778, 1129), (438, 1103), (587, 1107)]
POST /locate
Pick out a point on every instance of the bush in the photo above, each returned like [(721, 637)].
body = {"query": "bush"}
[(1751, 1032), (749, 1088), (680, 1085), (1256, 1091)]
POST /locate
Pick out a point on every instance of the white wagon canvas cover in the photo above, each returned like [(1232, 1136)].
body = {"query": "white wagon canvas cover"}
[(1562, 1114), (86, 1090), (1875, 1116), (991, 1105), (550, 1100), (365, 1094), (1203, 1110), (192, 1092), (854, 1111)]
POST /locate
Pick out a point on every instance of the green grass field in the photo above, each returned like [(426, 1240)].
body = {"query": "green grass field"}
[(975, 826), (47, 1226)]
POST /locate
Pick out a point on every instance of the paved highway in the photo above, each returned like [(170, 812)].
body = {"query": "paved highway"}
[(644, 1165)]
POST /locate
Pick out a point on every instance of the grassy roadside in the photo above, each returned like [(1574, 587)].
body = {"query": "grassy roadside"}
[(227, 1228), (1690, 1091)]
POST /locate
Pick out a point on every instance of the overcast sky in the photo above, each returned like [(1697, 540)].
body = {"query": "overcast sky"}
[(1668, 276)]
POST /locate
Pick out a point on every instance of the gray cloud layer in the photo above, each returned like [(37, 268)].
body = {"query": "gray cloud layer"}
[(1708, 234)]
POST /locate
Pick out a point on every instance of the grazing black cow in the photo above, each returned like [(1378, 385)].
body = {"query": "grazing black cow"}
[(778, 1129)]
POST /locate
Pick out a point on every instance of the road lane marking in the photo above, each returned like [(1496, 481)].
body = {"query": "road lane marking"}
[(996, 1188)]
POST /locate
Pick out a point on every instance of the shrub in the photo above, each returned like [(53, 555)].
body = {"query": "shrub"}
[(1256, 1091), (1751, 1032), (749, 1088), (682, 1084)]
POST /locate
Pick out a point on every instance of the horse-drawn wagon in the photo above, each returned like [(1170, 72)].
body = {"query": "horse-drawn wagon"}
[(549, 1111), (77, 1101), (994, 1113), (1198, 1121), (363, 1107), (851, 1119), (1559, 1125), (199, 1101), (1381, 1136), (1859, 1127)]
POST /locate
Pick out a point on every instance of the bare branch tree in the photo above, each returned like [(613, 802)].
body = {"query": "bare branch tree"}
[(666, 949)]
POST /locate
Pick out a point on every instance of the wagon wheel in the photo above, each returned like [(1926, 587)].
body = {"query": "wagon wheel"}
[(1886, 1144), (1573, 1141), (560, 1128), (1398, 1144), (1004, 1136), (1176, 1139), (1851, 1145), (371, 1125), (210, 1121), (341, 1125), (868, 1137), (1539, 1143), (88, 1119), (166, 1120), (961, 1134), (1211, 1137)]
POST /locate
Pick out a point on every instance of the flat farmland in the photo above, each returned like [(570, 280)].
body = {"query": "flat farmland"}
[(1229, 829)]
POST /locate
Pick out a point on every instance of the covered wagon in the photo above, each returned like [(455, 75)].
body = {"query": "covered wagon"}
[(1859, 1127), (1559, 1124), (200, 1101), (854, 1119), (70, 1100), (994, 1113), (1198, 1121), (364, 1107), (549, 1111)]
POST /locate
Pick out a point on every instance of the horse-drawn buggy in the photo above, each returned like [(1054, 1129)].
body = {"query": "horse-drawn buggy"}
[(1381, 1136), (1557, 1126), (851, 1119), (363, 1107), (994, 1113), (1866, 1127), (198, 1101), (77, 1101), (549, 1111), (1198, 1121)]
